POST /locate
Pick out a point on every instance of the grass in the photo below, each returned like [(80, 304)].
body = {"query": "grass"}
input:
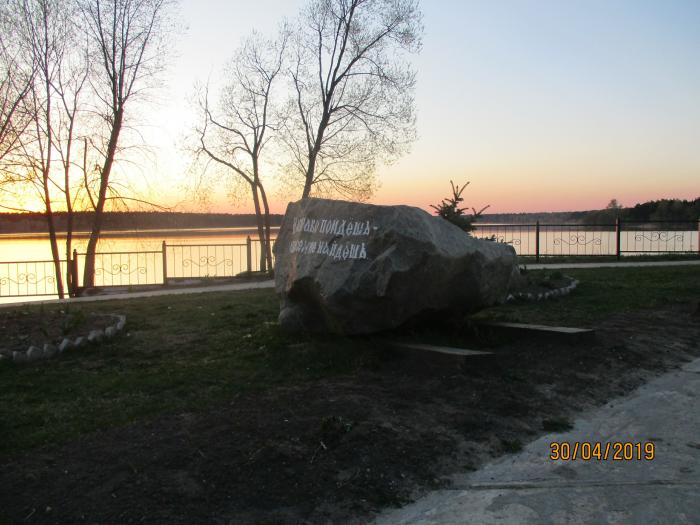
[(602, 292), (191, 352), (179, 353)]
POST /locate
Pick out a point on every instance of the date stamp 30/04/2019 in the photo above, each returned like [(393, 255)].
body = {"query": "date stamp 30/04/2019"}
[(600, 451)]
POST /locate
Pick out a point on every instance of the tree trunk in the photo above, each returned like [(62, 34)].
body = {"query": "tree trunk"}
[(266, 217), (69, 251), (69, 219), (313, 153), (263, 217), (259, 221), (310, 171), (54, 244), (89, 273)]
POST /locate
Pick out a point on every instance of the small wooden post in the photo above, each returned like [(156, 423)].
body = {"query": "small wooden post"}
[(698, 236), (537, 241), (618, 228), (249, 254), (74, 274), (165, 264)]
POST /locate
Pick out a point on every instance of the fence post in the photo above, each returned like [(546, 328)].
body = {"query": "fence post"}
[(537, 241), (249, 254), (74, 274), (165, 265), (618, 228), (698, 236)]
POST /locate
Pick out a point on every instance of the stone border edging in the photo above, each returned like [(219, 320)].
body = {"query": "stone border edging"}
[(34, 353), (557, 292)]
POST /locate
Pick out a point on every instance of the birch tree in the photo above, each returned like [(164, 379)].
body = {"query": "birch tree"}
[(235, 131), (352, 92), (44, 32)]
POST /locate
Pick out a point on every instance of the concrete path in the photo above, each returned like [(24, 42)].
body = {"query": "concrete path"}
[(155, 293), (530, 488), (649, 264)]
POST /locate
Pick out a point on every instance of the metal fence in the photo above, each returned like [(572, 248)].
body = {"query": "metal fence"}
[(28, 278), (184, 262), (613, 239), (172, 263)]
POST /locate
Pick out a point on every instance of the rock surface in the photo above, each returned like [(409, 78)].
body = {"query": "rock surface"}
[(95, 336), (49, 351), (34, 353), (66, 344), (353, 268)]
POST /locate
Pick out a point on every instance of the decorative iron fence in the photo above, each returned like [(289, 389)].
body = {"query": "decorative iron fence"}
[(211, 260), (178, 262), (29, 278), (123, 268), (612, 239), (135, 268)]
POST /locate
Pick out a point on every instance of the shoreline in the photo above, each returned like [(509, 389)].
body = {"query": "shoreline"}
[(162, 232)]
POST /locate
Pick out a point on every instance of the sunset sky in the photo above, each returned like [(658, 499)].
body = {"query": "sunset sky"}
[(542, 105)]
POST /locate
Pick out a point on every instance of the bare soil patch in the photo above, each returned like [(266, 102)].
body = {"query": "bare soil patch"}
[(338, 450), (22, 328)]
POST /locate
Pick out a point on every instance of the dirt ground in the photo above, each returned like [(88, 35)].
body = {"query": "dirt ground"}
[(21, 328), (337, 451)]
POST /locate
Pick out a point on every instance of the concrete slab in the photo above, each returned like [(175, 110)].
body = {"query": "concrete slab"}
[(540, 328), (459, 352), (562, 333), (529, 487)]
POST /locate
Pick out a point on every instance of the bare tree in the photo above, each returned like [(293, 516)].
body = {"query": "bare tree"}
[(16, 77), (44, 29), (70, 85), (235, 133), (130, 39), (47, 37), (352, 92)]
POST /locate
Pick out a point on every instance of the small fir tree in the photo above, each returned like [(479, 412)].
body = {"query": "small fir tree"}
[(450, 209)]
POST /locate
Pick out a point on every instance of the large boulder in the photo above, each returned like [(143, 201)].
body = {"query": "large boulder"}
[(351, 268)]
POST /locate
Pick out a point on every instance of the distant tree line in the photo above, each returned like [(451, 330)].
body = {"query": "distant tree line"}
[(555, 217), (651, 211), (138, 220), (661, 210)]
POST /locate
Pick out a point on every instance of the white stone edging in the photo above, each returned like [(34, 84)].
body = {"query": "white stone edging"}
[(557, 292), (34, 353)]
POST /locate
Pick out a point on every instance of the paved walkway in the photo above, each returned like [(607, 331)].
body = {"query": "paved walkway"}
[(649, 264), (529, 488), (155, 293)]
